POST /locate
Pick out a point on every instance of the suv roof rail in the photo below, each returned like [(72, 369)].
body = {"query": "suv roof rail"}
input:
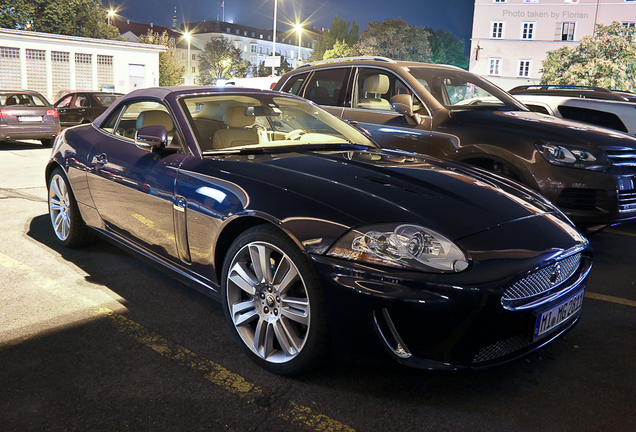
[(374, 58), (572, 90)]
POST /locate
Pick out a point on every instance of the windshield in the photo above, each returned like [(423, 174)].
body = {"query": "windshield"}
[(234, 121), (458, 89)]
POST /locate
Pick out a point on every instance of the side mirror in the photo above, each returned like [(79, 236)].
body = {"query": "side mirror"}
[(403, 103), (151, 138)]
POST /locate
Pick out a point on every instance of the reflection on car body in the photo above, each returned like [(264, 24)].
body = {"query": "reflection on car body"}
[(444, 111), (313, 238)]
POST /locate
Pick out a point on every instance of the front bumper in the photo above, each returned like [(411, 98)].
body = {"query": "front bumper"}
[(451, 321)]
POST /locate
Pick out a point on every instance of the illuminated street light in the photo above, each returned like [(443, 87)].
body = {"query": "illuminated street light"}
[(188, 36), (299, 29), (111, 14)]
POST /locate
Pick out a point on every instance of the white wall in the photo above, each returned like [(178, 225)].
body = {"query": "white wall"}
[(124, 54)]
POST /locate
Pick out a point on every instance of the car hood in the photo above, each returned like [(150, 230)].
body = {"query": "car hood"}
[(541, 126), (371, 186)]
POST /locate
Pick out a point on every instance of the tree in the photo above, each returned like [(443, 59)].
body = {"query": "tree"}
[(396, 39), (84, 18), (16, 14), (170, 68), (340, 50), (220, 60), (347, 32), (607, 59), (447, 48)]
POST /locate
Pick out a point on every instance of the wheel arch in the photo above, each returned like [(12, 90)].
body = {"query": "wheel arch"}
[(490, 162), (237, 226)]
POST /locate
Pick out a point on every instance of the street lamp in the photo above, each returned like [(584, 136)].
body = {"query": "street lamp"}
[(299, 29), (188, 36), (274, 38), (111, 14)]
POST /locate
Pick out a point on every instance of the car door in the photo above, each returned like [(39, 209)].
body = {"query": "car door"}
[(370, 107), (133, 189), (63, 107)]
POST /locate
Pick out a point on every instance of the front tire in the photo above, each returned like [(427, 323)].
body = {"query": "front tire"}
[(67, 223), (273, 303)]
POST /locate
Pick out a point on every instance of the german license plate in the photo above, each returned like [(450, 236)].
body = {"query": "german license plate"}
[(30, 118), (551, 318)]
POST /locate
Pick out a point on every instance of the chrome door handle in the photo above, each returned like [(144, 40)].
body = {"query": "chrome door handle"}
[(100, 159)]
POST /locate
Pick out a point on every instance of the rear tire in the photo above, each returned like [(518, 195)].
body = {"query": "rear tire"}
[(273, 303), (66, 220)]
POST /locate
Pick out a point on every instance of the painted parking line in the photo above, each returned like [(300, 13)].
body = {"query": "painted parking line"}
[(622, 233), (300, 416), (296, 414), (611, 299)]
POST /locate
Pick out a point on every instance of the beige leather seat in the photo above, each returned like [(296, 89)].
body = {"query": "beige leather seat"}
[(374, 85), (156, 117), (235, 134)]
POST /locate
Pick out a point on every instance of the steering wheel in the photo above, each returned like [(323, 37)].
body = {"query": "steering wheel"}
[(295, 134)]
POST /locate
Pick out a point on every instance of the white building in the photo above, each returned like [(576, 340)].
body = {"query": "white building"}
[(256, 44), (511, 38), (51, 64)]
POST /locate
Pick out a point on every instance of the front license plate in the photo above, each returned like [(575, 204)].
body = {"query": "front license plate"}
[(30, 118), (551, 318)]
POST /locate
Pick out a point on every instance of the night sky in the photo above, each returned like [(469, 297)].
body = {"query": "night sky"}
[(454, 16)]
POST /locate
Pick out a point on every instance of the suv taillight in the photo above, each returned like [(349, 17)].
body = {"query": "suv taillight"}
[(52, 113), (4, 113)]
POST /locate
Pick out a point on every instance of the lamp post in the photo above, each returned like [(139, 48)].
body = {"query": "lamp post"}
[(111, 14), (188, 36), (299, 29), (274, 36)]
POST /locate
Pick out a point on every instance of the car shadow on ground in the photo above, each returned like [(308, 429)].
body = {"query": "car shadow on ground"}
[(20, 145)]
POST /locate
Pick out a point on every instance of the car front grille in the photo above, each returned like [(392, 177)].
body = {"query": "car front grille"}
[(627, 201), (501, 348), (621, 156), (583, 199), (541, 281)]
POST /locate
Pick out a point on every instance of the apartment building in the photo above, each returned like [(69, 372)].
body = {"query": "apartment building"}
[(511, 38)]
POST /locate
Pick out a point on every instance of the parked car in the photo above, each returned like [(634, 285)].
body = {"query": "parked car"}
[(312, 237), (598, 107), (444, 111), (27, 115), (83, 107)]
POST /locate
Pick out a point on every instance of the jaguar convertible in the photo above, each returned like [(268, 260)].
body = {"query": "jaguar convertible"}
[(316, 241)]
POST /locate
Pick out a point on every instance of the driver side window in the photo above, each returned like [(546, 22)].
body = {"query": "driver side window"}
[(144, 113), (376, 87)]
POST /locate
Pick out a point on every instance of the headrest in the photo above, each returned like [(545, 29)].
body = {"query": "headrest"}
[(154, 117), (376, 84), (235, 117)]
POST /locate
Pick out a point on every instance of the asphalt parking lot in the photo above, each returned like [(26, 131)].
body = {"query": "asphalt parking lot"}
[(95, 339)]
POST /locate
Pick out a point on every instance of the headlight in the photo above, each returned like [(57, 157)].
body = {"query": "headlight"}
[(572, 156), (403, 246)]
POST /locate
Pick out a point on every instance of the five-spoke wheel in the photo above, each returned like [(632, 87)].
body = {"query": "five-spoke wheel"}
[(67, 223)]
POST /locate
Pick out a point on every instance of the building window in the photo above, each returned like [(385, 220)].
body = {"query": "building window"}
[(527, 30), (495, 66), (500, 1), (497, 30), (10, 68), (567, 31), (83, 71), (629, 24), (194, 56), (104, 71), (524, 68), (36, 70)]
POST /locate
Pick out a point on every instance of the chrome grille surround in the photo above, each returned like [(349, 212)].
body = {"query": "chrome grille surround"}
[(627, 201), (621, 156), (542, 281)]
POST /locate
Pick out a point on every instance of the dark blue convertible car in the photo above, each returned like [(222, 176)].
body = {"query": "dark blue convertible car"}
[(314, 239)]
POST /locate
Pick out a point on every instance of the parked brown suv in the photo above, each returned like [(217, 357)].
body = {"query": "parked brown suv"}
[(444, 111)]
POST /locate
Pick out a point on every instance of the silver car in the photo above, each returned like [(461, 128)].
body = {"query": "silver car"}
[(27, 115)]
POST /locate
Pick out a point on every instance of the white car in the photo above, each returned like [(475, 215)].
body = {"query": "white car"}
[(616, 113)]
